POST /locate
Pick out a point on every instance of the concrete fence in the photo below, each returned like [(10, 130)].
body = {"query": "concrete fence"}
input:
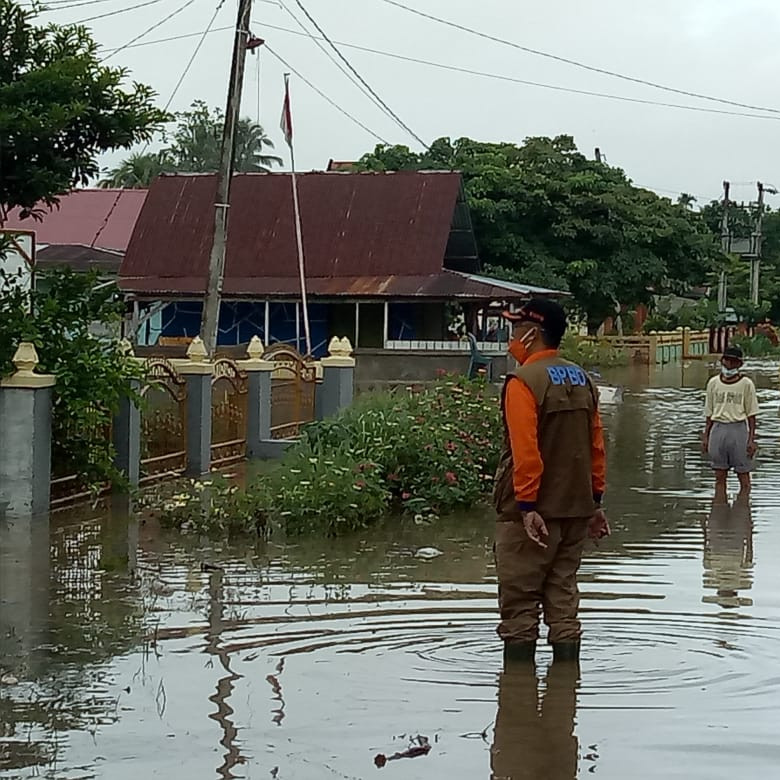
[(217, 412), (662, 347)]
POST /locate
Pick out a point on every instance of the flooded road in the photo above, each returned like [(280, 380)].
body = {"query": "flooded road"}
[(128, 653)]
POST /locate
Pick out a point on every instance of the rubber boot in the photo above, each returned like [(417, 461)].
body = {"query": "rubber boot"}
[(516, 652), (566, 651)]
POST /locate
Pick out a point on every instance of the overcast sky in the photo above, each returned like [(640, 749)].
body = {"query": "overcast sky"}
[(719, 48)]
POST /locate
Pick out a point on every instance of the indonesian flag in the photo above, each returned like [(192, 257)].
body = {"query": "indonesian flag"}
[(286, 123)]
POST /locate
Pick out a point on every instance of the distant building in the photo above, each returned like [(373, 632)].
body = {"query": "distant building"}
[(88, 230), (341, 166), (390, 257)]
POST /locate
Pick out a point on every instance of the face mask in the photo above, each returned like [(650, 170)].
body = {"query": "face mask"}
[(518, 348), (729, 373)]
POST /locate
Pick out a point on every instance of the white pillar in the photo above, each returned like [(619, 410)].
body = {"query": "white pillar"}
[(357, 325), (297, 326)]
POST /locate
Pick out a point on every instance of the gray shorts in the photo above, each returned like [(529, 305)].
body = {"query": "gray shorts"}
[(728, 447)]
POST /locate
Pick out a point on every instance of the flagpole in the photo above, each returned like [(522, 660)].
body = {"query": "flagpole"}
[(297, 212)]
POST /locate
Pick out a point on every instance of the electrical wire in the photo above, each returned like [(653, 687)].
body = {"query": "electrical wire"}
[(171, 38), (194, 55), (329, 55), (154, 27), (387, 108), (189, 64), (575, 63), (64, 5), (117, 12), (495, 76), (555, 87), (323, 95)]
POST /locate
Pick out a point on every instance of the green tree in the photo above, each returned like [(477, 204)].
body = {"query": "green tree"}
[(545, 213), (197, 143), (93, 374), (138, 171), (742, 225), (195, 147), (60, 109)]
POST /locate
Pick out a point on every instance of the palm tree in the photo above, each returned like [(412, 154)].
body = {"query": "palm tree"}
[(138, 171), (686, 200), (197, 143), (196, 148), (251, 141)]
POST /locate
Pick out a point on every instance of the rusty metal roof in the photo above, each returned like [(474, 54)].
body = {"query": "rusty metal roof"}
[(79, 258), (363, 233), (445, 285)]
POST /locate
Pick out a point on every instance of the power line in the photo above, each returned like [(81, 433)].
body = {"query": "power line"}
[(194, 55), (172, 38), (575, 63), (323, 95), (62, 5), (485, 74), (189, 63), (333, 46), (117, 12), (154, 27), (556, 87), (330, 56)]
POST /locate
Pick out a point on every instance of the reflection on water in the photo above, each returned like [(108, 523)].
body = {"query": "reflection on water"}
[(534, 735), (126, 652), (728, 554)]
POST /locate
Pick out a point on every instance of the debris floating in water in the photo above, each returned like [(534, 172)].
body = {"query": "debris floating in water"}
[(427, 553), (419, 746), (8, 679)]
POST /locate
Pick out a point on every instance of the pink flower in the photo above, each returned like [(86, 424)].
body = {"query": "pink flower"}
[(405, 496), (450, 477)]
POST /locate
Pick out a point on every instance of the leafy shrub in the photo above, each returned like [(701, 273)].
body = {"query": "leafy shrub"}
[(755, 346), (212, 505), (326, 493), (592, 354), (92, 373), (697, 316), (423, 452)]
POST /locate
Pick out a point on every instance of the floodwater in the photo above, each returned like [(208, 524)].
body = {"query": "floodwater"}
[(128, 653)]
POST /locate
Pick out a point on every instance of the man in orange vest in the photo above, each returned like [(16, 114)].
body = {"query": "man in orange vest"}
[(548, 487)]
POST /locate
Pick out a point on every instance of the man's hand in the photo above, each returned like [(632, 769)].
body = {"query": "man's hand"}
[(752, 448), (535, 528), (598, 527)]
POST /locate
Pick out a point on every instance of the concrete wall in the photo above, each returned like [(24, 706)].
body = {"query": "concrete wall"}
[(375, 368)]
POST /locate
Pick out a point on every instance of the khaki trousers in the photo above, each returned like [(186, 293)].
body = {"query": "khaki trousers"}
[(533, 578)]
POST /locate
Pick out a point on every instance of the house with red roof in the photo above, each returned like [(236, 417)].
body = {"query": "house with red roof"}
[(389, 257), (88, 230)]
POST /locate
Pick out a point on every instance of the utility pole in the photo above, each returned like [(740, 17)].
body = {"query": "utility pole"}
[(725, 245), (755, 260), (210, 317), (598, 155)]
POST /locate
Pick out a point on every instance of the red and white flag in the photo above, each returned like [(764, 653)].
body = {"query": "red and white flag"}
[(286, 123)]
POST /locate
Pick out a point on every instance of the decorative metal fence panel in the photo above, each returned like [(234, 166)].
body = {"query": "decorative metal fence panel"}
[(228, 413), (163, 421), (293, 387), (69, 483)]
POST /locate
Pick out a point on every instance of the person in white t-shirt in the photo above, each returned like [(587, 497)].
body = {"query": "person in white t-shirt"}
[(731, 408)]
